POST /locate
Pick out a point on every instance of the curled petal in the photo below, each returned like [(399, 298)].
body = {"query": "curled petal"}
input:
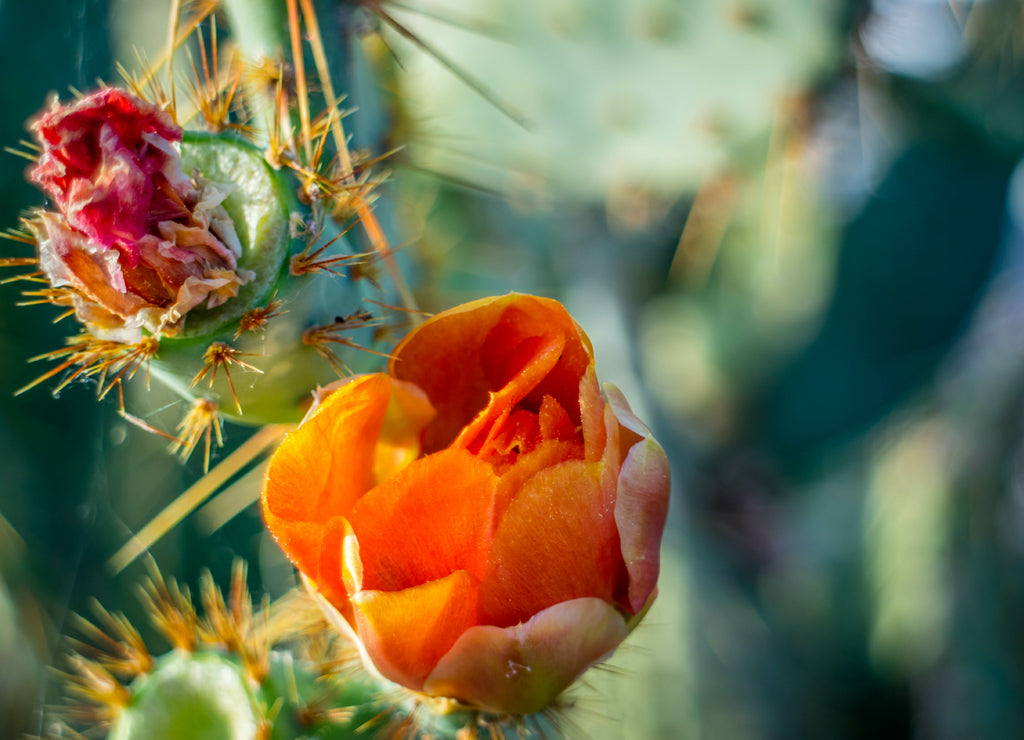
[(150, 244), (98, 162), (68, 258), (322, 468), (521, 669), (336, 573), (488, 355), (428, 520), (592, 412), (641, 506), (406, 632)]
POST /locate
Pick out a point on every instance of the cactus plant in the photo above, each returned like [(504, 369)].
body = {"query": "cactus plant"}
[(275, 297), (276, 673), (210, 246)]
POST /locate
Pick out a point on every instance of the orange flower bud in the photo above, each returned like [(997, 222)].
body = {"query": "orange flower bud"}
[(483, 517)]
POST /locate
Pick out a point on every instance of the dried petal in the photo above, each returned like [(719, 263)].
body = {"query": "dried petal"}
[(140, 243)]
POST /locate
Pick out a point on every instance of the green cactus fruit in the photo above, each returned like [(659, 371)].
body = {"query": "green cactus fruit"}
[(198, 696), (227, 678), (220, 262), (209, 696)]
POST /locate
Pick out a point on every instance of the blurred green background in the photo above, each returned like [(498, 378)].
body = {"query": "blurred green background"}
[(794, 230)]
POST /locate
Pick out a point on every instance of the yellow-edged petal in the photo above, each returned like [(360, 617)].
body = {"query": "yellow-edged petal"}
[(406, 632)]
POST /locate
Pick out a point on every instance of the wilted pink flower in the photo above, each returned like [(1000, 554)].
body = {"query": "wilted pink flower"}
[(138, 241)]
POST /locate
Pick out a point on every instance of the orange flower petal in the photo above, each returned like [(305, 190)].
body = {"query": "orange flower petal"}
[(641, 506), (555, 422), (490, 355), (512, 548), (517, 354), (592, 413), (336, 578), (556, 541), (406, 632), (322, 467), (430, 519), (442, 356), (408, 413), (513, 436), (521, 669)]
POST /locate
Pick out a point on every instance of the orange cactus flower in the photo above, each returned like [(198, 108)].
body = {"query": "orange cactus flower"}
[(484, 517)]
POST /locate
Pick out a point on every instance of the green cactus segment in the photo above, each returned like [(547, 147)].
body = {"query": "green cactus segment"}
[(316, 706), (194, 696), (256, 26), (763, 241), (289, 369), (207, 696), (652, 93), (276, 369), (260, 206), (234, 677)]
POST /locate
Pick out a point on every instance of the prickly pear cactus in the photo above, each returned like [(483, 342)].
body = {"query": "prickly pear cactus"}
[(588, 99), (228, 676), (222, 242), (276, 673)]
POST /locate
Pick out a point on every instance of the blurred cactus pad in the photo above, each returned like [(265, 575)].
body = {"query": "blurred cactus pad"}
[(588, 99)]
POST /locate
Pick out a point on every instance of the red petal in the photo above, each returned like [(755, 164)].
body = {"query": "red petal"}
[(97, 164)]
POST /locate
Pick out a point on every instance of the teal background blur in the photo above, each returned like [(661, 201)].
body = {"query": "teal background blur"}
[(794, 231)]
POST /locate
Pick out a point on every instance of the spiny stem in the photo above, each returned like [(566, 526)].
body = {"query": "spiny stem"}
[(264, 30)]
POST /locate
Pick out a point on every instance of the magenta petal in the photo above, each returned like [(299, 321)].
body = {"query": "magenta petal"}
[(521, 669), (641, 505)]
